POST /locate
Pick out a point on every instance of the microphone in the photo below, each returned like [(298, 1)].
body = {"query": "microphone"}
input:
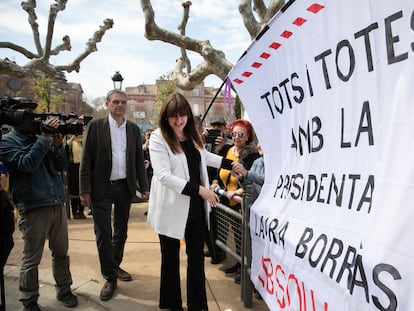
[(222, 192)]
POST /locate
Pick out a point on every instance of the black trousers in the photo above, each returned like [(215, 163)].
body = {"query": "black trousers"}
[(170, 289), (111, 243)]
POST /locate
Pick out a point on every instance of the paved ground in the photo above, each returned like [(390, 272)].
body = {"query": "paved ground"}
[(142, 260)]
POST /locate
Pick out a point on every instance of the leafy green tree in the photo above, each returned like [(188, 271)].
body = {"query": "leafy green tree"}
[(43, 88), (166, 86)]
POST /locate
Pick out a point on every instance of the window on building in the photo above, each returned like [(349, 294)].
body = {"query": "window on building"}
[(196, 109), (196, 92)]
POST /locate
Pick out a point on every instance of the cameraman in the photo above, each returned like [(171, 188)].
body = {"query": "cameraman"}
[(34, 162), (215, 134)]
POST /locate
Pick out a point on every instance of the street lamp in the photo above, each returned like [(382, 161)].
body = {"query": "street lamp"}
[(117, 79)]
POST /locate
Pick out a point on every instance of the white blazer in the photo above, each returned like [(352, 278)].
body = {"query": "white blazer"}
[(168, 208)]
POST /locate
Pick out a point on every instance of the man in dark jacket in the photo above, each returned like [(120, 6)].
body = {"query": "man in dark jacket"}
[(36, 187), (111, 165)]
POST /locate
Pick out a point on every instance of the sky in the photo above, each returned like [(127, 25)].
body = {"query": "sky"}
[(124, 47)]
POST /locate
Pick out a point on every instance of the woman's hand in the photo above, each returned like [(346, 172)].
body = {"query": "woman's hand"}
[(234, 195), (238, 170), (208, 195), (214, 185)]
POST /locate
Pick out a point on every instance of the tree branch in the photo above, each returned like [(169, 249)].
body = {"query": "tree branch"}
[(260, 8), (274, 7), (29, 6), (214, 60), (11, 68), (181, 27), (265, 14), (249, 21), (60, 5), (65, 46), (90, 47), (39, 62), (17, 48)]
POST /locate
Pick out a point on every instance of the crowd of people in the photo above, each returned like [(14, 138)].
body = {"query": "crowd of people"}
[(178, 169)]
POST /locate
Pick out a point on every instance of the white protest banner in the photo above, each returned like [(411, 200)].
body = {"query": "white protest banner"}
[(329, 88)]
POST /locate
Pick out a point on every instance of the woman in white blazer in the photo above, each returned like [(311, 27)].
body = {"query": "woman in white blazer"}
[(180, 201)]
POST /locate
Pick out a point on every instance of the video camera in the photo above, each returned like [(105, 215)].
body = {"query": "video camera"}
[(13, 113)]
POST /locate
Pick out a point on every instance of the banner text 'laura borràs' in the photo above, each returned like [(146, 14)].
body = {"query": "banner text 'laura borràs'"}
[(331, 256)]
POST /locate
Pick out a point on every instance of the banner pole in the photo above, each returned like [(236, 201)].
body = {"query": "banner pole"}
[(212, 101)]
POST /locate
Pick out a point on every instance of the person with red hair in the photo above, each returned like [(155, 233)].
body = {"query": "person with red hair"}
[(243, 150)]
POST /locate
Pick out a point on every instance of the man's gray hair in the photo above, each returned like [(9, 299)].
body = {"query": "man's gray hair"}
[(114, 91)]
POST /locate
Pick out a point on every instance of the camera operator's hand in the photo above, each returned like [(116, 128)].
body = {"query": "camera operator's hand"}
[(213, 135), (52, 123), (219, 140), (205, 133)]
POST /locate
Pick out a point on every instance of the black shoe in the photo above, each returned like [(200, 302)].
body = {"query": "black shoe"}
[(218, 258), (108, 290), (237, 279), (233, 270), (32, 306), (123, 275), (69, 300)]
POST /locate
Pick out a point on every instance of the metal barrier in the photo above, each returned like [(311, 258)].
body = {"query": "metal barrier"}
[(233, 237), (228, 223)]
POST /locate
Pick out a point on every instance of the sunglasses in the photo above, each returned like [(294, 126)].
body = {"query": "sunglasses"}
[(237, 134)]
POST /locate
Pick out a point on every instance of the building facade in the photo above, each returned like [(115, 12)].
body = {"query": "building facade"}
[(143, 109), (71, 93)]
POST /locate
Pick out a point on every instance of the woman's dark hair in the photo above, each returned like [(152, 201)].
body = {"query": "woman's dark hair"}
[(177, 105)]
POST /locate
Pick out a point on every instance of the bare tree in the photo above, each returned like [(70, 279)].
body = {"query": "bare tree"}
[(39, 61), (214, 61)]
